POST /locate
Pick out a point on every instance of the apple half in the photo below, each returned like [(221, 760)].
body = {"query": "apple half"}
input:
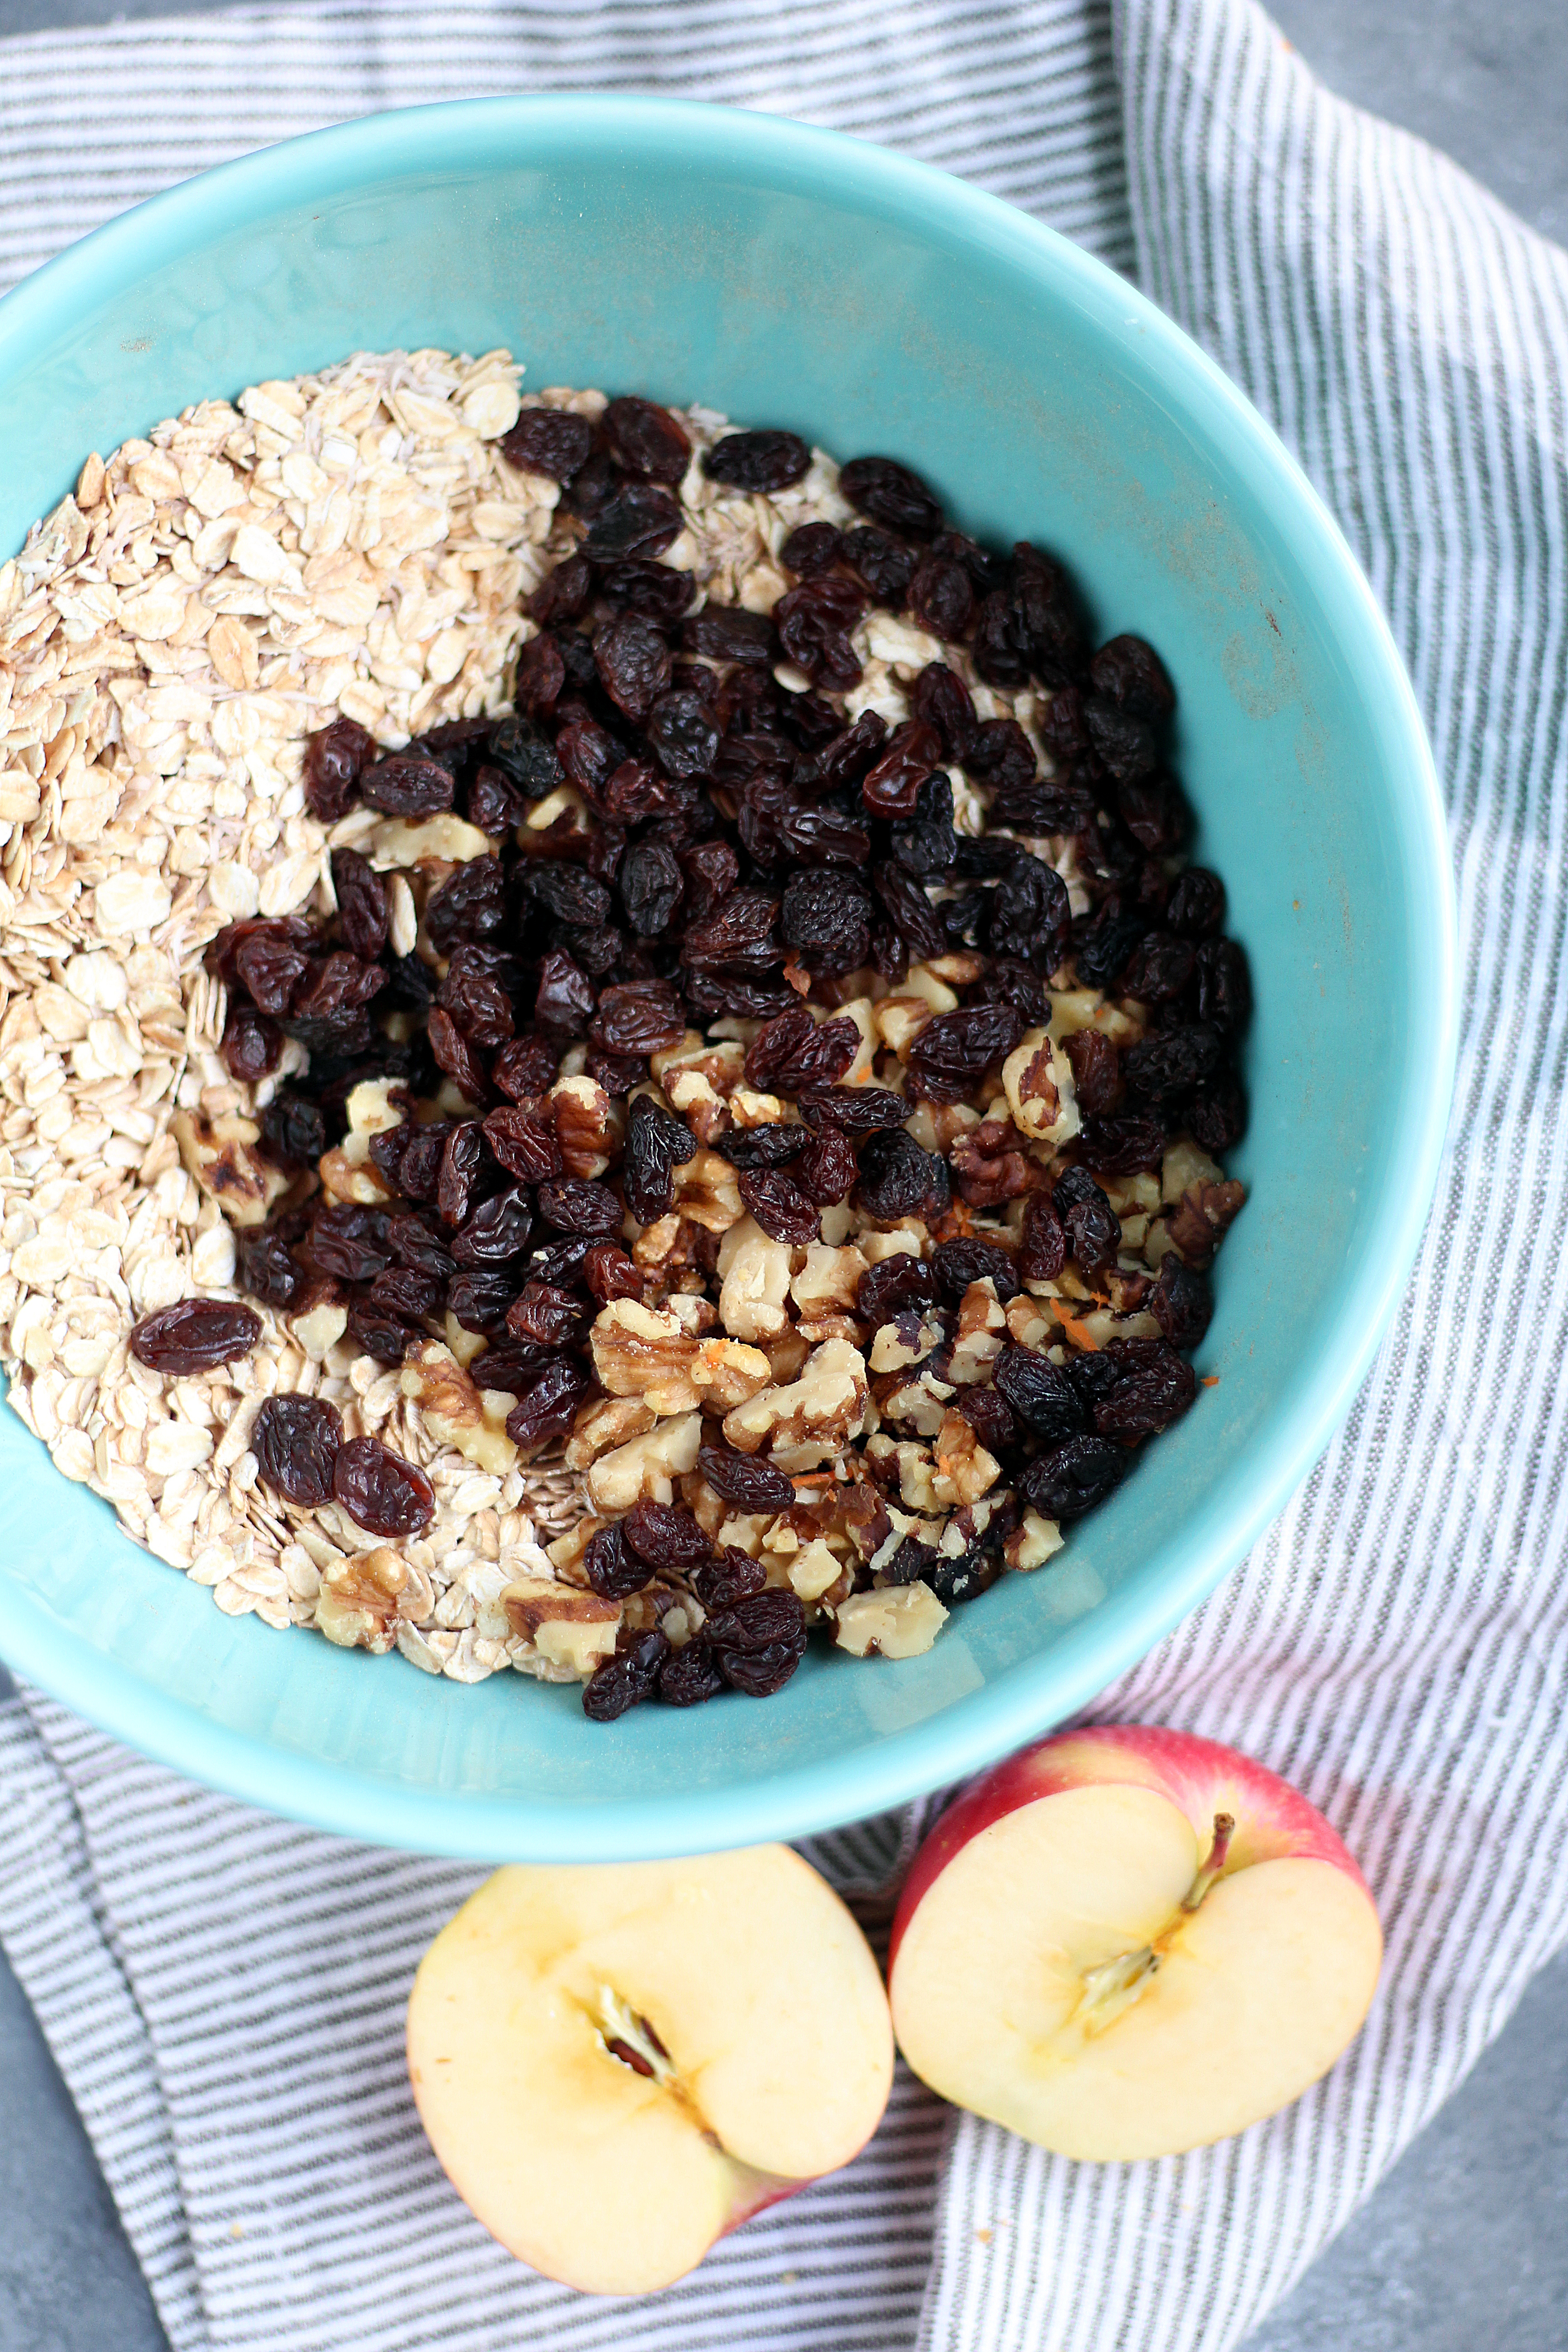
[(618, 2063), (1126, 1942)]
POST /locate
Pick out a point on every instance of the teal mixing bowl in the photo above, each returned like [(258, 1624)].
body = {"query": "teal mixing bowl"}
[(791, 278)]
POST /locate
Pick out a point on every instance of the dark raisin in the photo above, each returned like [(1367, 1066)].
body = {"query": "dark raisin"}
[(461, 1166), (496, 1231), (716, 996), (1171, 1062), (990, 1416), (402, 786), (547, 1403), (827, 1168), (731, 1575), (576, 1205), (1041, 1394), (764, 460), (563, 595), (792, 1054), (1091, 1224), (892, 787), (334, 757), (1002, 646), (555, 442), (1030, 914), (941, 597), (1121, 1147), (410, 984), (893, 1285), (470, 904), (941, 700), (377, 1331), (882, 562), (1096, 1070), (1131, 673), (633, 664), (1012, 981), (656, 1145), (958, 1264), (627, 1679), (547, 1316), (668, 1538), (1074, 1476), (349, 1242), (811, 548), (268, 1269), (524, 1143), (564, 1003), (642, 438), (1196, 906), (638, 1016), (641, 520), (726, 633), (382, 1493), (1102, 945), (748, 1482), (898, 1180), (456, 1056), (252, 1044), (1218, 1118), (681, 734), (361, 903), (891, 495), (757, 1622), (270, 960), (198, 1334), (408, 1291), (1154, 813), (954, 1050), (690, 1676), (813, 622), (295, 1440), (1159, 968), (612, 1569), (826, 913), (779, 1207), (541, 676), (1154, 1387), (479, 1298), (609, 1273), (1225, 986), (912, 1563), (653, 590), (737, 936), (526, 1068), (477, 1002), (650, 886), (413, 1244), (915, 921), (1183, 1303), (1043, 1251), (772, 1145)]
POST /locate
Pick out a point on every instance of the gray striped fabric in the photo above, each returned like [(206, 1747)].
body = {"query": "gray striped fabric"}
[(222, 1990)]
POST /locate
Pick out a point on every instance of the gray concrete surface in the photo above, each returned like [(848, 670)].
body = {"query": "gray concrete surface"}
[(1466, 2243)]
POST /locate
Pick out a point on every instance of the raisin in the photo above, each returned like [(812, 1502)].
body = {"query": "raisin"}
[(1183, 1303), (714, 996), (479, 1298), (738, 936), (382, 1493), (576, 1205), (757, 1622), (690, 1676), (334, 757), (1101, 946), (941, 597), (651, 887), (827, 914), (766, 460), (892, 787), (562, 594), (470, 904), (1043, 1251), (891, 495), (1041, 1394), (726, 633), (198, 1334), (270, 962), (1225, 986), (407, 1291), (547, 1316), (748, 1482), (954, 1050), (379, 1333), (401, 786), (1154, 1387), (681, 734), (883, 563), (793, 1054), (642, 438), (477, 1002), (1171, 1062), (633, 664), (339, 985), (295, 1440), (731, 1575), (1127, 672), (1092, 1225), (497, 1230), (627, 1679), (958, 1264), (653, 590), (1218, 1118), (1012, 981), (913, 918), (349, 1242), (641, 520), (657, 1144), (1074, 1476), (456, 1056), (555, 442), (940, 699), (638, 1016), (773, 1144), (898, 1180), (990, 1416), (827, 1168), (1096, 1071), (813, 622), (1030, 914), (541, 676), (252, 1044), (414, 1246), (361, 903), (1154, 813), (780, 1208), (668, 1538), (462, 1163), (524, 1143), (547, 1403), (1001, 646), (1122, 1146), (612, 1569), (811, 548), (267, 1268), (564, 1003), (893, 1284), (1196, 906), (609, 1273)]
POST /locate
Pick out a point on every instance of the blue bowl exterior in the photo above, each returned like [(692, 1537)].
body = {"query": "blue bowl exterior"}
[(798, 279)]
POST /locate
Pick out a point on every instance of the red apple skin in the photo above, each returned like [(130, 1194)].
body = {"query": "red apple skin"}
[(1272, 1818)]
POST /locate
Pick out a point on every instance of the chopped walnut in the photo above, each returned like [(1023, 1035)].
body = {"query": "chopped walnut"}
[(1030, 1323), (813, 1570), (604, 1421), (1032, 1542), (901, 1019), (964, 1470), (1183, 1165), (707, 1193), (455, 1410), (991, 1165), (750, 1109), (645, 1467), (1038, 1077), (829, 1281), (362, 1600), (907, 1340), (320, 1328), (982, 1325), (756, 1279), (671, 1247), (587, 1126), (1202, 1220), (811, 1420), (919, 1404), (898, 1622), (350, 1174), (401, 843), (220, 1154), (569, 1627), (648, 1352)]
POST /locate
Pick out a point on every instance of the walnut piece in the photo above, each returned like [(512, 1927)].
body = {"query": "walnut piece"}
[(1201, 1222), (1037, 1079), (899, 1622), (644, 1466), (587, 1127), (650, 1352), (220, 1154), (810, 1421), (964, 1470), (361, 1599), (1032, 1542), (569, 1627), (454, 1409), (707, 1193), (604, 1421), (756, 1279)]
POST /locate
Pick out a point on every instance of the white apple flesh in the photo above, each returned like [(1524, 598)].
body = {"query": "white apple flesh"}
[(617, 2065), (1126, 1942)]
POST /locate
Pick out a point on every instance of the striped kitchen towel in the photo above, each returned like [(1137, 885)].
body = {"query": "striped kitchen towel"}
[(223, 1991)]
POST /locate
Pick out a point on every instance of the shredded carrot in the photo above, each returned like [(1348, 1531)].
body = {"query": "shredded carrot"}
[(1209, 1381), (1078, 1333)]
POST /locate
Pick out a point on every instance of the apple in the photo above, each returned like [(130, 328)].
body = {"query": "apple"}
[(1128, 1942), (618, 2063)]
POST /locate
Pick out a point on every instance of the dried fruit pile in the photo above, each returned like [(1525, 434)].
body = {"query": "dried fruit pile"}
[(806, 1117)]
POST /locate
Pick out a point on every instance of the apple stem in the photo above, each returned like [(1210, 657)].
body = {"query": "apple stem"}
[(1224, 1830)]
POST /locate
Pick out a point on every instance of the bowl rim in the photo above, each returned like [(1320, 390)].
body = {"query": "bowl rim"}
[(971, 1733)]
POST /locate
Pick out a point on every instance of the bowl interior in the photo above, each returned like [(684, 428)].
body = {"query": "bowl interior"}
[(792, 278)]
